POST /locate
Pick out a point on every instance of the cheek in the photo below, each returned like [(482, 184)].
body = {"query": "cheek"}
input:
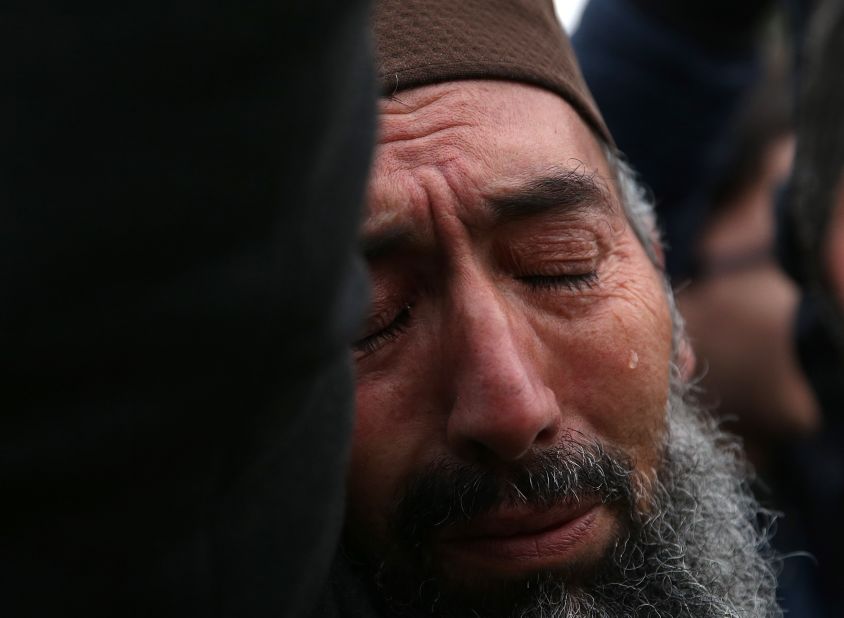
[(616, 377), (389, 436)]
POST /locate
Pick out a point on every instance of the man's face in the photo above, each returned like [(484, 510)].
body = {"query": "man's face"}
[(514, 314)]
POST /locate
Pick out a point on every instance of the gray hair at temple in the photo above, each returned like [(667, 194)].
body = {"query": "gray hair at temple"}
[(638, 207), (641, 215)]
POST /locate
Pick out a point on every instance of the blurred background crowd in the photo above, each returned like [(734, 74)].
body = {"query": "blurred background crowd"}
[(732, 114)]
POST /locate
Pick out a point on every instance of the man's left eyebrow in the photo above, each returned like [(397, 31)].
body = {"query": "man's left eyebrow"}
[(560, 192)]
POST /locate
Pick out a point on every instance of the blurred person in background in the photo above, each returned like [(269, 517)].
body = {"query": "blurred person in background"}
[(817, 214), (814, 238), (739, 305)]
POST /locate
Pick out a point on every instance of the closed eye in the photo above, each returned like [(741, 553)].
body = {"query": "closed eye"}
[(375, 340), (574, 283)]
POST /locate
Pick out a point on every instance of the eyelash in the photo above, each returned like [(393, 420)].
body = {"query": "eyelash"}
[(573, 283), (396, 327), (399, 324)]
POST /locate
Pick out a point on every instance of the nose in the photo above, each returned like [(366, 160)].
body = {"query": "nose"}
[(501, 406)]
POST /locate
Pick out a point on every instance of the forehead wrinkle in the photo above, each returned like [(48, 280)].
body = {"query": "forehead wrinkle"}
[(396, 216), (452, 131), (435, 220), (436, 126), (427, 112), (415, 146)]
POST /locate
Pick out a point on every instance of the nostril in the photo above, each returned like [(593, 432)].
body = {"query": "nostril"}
[(546, 437), (549, 434)]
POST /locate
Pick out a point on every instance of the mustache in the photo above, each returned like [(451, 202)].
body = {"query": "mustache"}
[(450, 492)]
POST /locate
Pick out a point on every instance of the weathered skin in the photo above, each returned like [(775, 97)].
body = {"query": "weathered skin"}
[(490, 362)]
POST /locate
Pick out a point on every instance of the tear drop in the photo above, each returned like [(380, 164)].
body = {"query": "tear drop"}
[(634, 359)]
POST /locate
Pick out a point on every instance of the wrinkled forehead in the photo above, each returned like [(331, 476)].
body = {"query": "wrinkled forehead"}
[(471, 142)]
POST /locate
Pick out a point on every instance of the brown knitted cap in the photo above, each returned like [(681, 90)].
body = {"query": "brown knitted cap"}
[(421, 42)]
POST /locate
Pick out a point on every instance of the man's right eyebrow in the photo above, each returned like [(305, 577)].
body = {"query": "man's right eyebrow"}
[(561, 191), (388, 239)]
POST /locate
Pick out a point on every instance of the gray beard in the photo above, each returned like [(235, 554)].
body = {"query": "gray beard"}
[(698, 548), (703, 550)]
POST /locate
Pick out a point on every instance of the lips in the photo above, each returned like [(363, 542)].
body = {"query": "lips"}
[(520, 538)]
